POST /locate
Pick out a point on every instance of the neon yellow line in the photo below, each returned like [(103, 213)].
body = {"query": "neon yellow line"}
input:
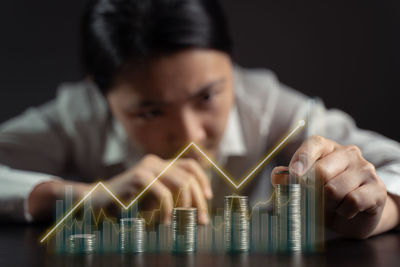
[(299, 125), (237, 186), (71, 211), (216, 166), (158, 176)]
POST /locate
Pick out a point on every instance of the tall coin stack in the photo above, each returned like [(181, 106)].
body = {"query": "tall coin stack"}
[(82, 243), (132, 235), (287, 207), (236, 223), (184, 229)]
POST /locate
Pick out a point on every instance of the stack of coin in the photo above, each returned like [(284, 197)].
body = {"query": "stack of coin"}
[(82, 243), (184, 229), (287, 207), (236, 223), (132, 235)]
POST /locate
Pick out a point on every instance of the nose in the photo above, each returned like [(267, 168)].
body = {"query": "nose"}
[(189, 128)]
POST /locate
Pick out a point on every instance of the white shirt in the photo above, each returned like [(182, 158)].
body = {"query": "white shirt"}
[(74, 136)]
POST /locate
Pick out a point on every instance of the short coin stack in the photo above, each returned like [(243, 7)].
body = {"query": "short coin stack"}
[(82, 243), (237, 226), (184, 229), (287, 207), (132, 235)]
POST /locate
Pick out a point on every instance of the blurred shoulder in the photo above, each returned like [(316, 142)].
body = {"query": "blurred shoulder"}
[(261, 84), (268, 109), (81, 100)]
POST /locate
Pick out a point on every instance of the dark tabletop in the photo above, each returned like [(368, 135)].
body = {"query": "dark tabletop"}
[(19, 246)]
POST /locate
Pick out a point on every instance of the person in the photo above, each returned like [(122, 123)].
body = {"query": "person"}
[(160, 76)]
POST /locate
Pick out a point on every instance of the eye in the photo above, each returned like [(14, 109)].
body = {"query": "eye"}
[(207, 96), (150, 114)]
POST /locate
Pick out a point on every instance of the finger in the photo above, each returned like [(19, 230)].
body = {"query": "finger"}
[(174, 178), (333, 164), (309, 152), (183, 197), (337, 188), (362, 199), (336, 162), (193, 167), (164, 195), (278, 176), (143, 177), (178, 181), (199, 202)]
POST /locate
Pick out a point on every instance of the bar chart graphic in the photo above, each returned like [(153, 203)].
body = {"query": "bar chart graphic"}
[(267, 230)]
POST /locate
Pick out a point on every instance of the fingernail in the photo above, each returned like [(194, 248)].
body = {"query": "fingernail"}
[(282, 172), (298, 167)]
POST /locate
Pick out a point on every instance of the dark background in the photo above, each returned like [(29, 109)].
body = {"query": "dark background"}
[(346, 52)]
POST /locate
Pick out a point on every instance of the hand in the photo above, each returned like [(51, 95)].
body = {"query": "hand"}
[(184, 183), (354, 195)]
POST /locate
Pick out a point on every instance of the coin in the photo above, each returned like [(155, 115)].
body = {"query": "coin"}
[(184, 229), (132, 235), (236, 224), (82, 243), (287, 207)]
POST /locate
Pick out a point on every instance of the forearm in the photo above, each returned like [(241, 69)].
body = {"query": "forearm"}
[(390, 215), (42, 199)]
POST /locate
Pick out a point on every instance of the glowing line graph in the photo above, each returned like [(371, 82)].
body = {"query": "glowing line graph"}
[(300, 124)]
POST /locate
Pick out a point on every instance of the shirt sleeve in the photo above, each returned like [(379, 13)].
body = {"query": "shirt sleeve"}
[(33, 149), (16, 188), (42, 144)]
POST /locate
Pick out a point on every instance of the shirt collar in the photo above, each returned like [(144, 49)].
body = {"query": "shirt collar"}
[(232, 143), (116, 144)]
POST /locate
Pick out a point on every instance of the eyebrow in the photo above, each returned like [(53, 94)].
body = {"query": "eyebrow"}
[(206, 87), (200, 91)]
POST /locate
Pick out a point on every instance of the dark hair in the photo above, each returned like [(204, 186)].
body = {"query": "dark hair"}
[(117, 32)]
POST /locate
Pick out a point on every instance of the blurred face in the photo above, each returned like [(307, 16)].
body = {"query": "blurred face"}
[(173, 100)]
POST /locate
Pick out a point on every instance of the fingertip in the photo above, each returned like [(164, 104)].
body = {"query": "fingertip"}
[(297, 167), (204, 218), (279, 169), (167, 220), (208, 193), (277, 175), (299, 164), (168, 216), (168, 212)]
